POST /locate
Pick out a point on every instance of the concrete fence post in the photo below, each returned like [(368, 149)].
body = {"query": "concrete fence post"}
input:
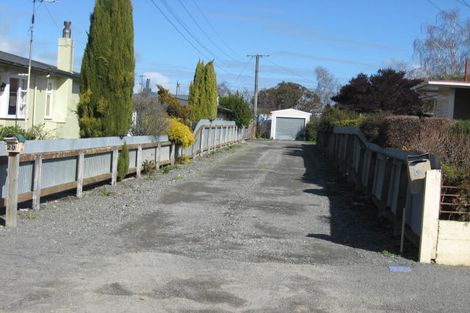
[(138, 168), (37, 182), (430, 216), (172, 153), (201, 142), (12, 196), (80, 172), (158, 154), (220, 136), (114, 165)]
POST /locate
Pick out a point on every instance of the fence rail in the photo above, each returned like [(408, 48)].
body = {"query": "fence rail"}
[(48, 167), (382, 173)]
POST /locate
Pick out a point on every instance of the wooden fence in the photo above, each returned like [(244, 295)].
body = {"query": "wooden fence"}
[(48, 167)]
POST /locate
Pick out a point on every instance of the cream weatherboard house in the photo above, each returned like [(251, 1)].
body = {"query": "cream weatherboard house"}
[(52, 96)]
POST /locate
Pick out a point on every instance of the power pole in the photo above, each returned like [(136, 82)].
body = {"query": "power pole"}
[(255, 100), (178, 85)]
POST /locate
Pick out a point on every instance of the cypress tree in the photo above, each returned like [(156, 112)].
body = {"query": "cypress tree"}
[(197, 94), (210, 92), (107, 72)]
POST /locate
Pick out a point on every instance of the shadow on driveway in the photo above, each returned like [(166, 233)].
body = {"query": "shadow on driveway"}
[(354, 221)]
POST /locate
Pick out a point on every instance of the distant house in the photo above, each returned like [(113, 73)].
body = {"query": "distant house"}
[(443, 98), (52, 96)]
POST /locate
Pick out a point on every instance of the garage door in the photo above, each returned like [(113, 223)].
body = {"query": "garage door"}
[(288, 128)]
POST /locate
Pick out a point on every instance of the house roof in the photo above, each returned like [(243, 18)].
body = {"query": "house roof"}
[(433, 85), (15, 60)]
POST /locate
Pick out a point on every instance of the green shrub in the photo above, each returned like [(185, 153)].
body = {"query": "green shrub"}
[(123, 163), (311, 130), (332, 117), (149, 167), (459, 127)]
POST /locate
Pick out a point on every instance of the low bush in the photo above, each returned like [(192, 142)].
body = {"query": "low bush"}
[(311, 130), (123, 163), (180, 133), (149, 167), (332, 117), (36, 132)]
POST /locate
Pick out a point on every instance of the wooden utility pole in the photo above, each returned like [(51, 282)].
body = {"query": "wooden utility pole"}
[(255, 100)]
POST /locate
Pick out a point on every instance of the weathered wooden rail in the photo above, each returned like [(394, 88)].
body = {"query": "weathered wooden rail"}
[(48, 167)]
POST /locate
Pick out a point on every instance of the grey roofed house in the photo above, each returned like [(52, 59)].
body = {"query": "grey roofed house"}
[(21, 62)]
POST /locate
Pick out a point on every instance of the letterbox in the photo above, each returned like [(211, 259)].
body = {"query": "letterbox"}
[(418, 165)]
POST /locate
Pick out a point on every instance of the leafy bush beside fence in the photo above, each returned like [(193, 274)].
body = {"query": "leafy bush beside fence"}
[(448, 139)]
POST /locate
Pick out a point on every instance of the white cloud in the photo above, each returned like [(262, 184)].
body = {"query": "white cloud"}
[(12, 46)]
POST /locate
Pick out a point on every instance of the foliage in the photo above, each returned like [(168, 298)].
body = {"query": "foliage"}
[(174, 107), (459, 127), (123, 163), (211, 91), (446, 46), (327, 86), (149, 167), (241, 112), (37, 132), (288, 95), (332, 117), (180, 133), (150, 117), (184, 159), (107, 72), (203, 93), (387, 91), (311, 130)]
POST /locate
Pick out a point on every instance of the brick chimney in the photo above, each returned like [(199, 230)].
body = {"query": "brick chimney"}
[(65, 49)]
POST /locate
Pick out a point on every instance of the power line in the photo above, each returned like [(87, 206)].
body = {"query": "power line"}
[(50, 15), (287, 70), (213, 29), (176, 28), (186, 28), (202, 30)]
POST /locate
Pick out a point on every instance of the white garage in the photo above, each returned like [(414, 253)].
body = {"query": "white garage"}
[(289, 124)]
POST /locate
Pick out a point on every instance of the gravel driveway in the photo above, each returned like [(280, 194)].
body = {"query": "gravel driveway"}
[(261, 227)]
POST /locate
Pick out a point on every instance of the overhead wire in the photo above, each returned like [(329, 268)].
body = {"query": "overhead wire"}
[(213, 29), (287, 70), (176, 28), (202, 30)]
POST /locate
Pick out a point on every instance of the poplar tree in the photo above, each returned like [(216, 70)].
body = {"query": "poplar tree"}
[(210, 91), (107, 72)]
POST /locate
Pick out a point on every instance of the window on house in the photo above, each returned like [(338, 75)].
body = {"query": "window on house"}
[(17, 100), (49, 93)]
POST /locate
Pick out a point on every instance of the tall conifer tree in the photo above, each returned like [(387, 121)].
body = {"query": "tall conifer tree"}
[(107, 72), (210, 91), (197, 94)]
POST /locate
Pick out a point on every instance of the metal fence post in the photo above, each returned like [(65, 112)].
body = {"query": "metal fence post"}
[(37, 182)]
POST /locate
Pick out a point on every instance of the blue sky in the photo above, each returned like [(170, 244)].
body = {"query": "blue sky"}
[(345, 36)]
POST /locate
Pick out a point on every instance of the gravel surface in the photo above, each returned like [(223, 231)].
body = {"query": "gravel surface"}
[(261, 227)]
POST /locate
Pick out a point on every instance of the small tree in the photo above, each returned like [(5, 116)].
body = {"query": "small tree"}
[(241, 112), (123, 163), (197, 94), (446, 47), (149, 116), (174, 107)]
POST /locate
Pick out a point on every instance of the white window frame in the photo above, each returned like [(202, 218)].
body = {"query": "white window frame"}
[(21, 97), (49, 95)]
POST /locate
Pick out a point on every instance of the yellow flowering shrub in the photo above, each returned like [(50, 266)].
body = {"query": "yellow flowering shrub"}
[(180, 133)]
